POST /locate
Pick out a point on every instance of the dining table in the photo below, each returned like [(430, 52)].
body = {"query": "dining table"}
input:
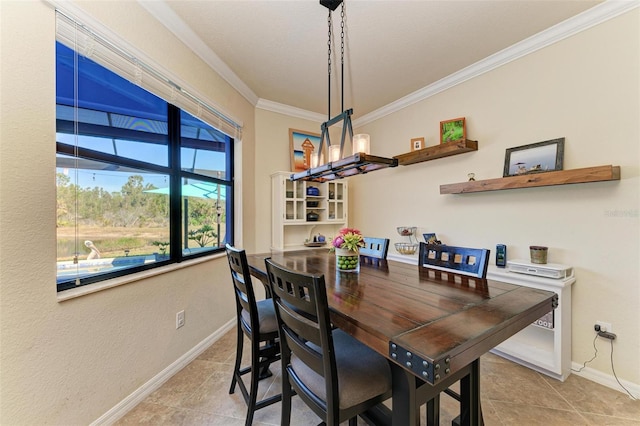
[(432, 326)]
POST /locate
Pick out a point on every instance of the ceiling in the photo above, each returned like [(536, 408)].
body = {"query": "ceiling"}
[(276, 50)]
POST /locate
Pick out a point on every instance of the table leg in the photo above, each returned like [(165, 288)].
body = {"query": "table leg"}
[(406, 411), (433, 411), (470, 409)]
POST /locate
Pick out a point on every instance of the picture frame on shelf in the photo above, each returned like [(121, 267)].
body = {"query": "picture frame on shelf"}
[(430, 238), (539, 157), (453, 130), (301, 145), (417, 144)]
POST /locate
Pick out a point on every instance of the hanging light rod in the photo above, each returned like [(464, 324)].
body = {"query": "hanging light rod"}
[(331, 4), (337, 166)]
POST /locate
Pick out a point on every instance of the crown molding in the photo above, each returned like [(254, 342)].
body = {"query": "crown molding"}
[(587, 19), (583, 21), (290, 110), (167, 17)]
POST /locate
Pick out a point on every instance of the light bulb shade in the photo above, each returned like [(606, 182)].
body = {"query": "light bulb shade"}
[(315, 160), (334, 153), (361, 143)]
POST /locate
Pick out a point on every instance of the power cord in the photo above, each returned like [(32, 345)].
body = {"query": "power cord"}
[(594, 356), (612, 368), (614, 375)]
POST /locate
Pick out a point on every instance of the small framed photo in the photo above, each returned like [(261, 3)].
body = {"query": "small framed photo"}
[(430, 238), (417, 143), (453, 130), (540, 157), (301, 145)]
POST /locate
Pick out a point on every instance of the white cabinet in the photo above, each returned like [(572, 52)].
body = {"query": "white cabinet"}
[(544, 349), (299, 212)]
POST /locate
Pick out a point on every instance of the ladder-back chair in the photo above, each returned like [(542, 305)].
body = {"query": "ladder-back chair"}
[(374, 248), (257, 321), (459, 260), (468, 262), (337, 376)]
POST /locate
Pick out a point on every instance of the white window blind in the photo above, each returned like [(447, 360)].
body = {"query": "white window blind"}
[(95, 47)]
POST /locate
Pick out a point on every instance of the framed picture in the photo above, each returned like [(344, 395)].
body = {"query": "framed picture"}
[(453, 130), (537, 157), (301, 145), (430, 238), (417, 143)]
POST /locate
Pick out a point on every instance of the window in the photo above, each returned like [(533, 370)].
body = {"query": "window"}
[(140, 181)]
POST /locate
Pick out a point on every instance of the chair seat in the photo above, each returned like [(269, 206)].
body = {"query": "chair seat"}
[(362, 372), (266, 316)]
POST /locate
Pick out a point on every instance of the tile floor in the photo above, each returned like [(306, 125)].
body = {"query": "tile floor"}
[(512, 395)]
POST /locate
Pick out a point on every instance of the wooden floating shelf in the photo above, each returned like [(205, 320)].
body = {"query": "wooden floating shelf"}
[(437, 151), (560, 177)]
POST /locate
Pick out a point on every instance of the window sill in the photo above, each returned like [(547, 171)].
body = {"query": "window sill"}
[(116, 282)]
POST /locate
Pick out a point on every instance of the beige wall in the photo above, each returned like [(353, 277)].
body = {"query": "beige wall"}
[(70, 362), (586, 89), (272, 148)]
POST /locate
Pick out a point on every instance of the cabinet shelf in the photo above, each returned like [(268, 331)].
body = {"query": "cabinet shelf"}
[(547, 350), (560, 177), (437, 151), (290, 227)]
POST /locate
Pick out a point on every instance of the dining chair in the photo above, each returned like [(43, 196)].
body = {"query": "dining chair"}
[(376, 248), (257, 321), (460, 261), (337, 376)]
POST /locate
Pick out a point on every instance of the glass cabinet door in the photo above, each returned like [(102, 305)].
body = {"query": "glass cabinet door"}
[(294, 201), (335, 201)]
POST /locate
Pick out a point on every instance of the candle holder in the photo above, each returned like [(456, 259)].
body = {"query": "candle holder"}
[(361, 143)]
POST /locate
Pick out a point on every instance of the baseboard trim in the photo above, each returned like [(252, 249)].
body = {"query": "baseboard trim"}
[(413, 260), (604, 379), (127, 404)]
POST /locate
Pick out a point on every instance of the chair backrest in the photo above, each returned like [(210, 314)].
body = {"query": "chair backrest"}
[(243, 288), (302, 312), (375, 247), (460, 260)]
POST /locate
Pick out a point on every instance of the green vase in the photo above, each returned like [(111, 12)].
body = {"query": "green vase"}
[(347, 260)]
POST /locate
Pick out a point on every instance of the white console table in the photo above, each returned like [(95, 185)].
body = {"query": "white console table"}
[(547, 350)]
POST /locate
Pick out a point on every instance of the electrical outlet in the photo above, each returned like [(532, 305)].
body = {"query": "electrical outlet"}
[(179, 319), (605, 326)]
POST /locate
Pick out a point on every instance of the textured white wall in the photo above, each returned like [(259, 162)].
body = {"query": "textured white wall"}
[(586, 89), (70, 362)]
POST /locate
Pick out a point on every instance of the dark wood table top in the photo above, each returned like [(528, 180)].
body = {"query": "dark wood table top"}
[(436, 318)]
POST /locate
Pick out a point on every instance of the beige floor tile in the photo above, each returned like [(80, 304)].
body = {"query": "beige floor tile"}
[(590, 397), (530, 415), (153, 414), (183, 384), (511, 395), (519, 385), (224, 350), (598, 420)]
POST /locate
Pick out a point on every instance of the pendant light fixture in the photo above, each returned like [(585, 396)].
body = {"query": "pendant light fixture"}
[(338, 166)]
